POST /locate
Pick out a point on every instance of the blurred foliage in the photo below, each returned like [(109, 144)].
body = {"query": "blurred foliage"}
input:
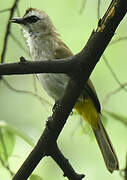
[(35, 177), (7, 142), (22, 115), (118, 117), (11, 131)]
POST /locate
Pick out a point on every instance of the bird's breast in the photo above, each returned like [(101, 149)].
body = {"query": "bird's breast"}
[(54, 84)]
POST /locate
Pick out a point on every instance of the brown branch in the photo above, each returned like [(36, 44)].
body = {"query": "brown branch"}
[(87, 60), (84, 64), (64, 164), (30, 67)]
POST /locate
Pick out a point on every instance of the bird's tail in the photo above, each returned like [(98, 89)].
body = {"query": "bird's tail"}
[(106, 147), (89, 113)]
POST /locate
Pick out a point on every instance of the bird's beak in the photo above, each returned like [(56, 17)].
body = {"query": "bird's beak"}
[(18, 20)]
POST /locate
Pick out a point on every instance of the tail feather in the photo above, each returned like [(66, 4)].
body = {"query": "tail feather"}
[(106, 147), (89, 113)]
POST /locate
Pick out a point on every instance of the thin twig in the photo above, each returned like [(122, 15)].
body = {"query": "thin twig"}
[(18, 12), (98, 9), (104, 56), (35, 83), (118, 40), (5, 10), (12, 10), (117, 117), (110, 94), (113, 73), (19, 43), (83, 6), (41, 100), (122, 86)]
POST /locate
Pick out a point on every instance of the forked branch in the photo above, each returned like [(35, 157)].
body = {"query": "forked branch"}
[(79, 67)]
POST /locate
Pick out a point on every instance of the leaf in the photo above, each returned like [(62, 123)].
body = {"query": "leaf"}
[(16, 132), (7, 143), (35, 177), (118, 117)]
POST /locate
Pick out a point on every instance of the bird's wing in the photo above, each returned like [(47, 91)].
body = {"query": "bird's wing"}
[(62, 51), (89, 91)]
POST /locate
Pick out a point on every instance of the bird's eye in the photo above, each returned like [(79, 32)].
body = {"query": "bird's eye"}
[(32, 19)]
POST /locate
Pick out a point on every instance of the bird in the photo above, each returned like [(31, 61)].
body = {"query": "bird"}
[(44, 43)]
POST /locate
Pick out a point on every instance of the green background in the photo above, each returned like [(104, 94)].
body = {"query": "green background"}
[(27, 114)]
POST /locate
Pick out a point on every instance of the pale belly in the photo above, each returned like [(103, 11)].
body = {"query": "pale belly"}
[(53, 84)]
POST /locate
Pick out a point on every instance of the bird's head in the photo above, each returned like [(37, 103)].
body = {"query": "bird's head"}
[(35, 22)]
